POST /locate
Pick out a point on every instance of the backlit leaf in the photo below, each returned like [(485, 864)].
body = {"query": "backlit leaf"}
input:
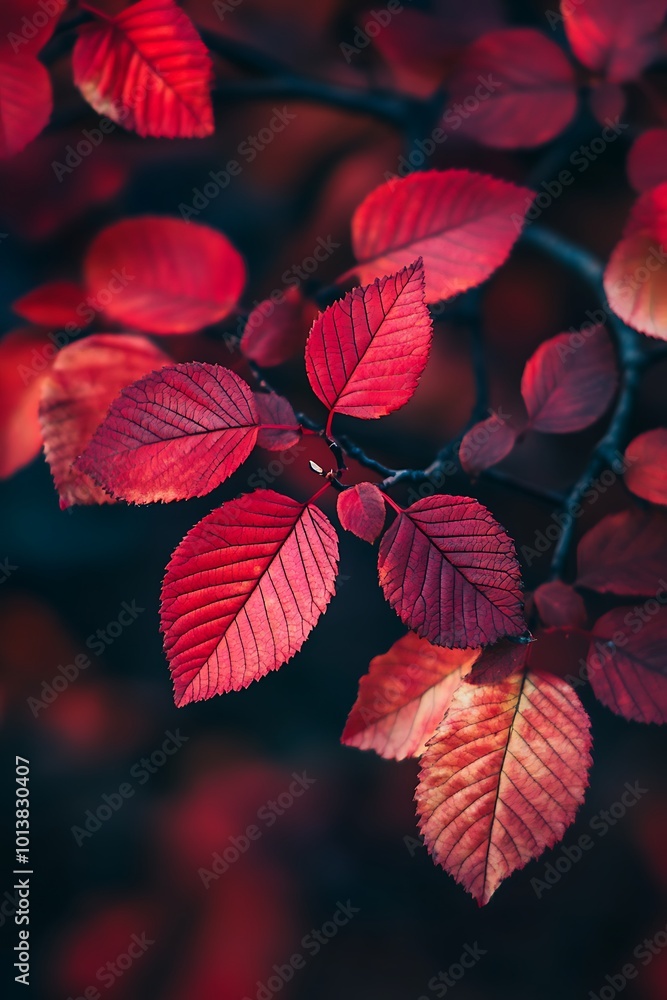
[(56, 303), (26, 101), (25, 356), (613, 37)]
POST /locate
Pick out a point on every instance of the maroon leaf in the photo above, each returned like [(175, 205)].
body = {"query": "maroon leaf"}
[(361, 510), (56, 303), (624, 553), (560, 605), (499, 661)]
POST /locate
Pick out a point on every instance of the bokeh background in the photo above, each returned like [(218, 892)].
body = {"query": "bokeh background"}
[(352, 836)]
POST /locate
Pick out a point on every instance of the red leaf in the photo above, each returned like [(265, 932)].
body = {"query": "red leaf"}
[(83, 382), (635, 280), (275, 409), (521, 84), (56, 303), (486, 444), (25, 356), (175, 434), (366, 352), (404, 696), (624, 553), (361, 510), (503, 777), (462, 224), (627, 662), (164, 275), (647, 160), (607, 102), (22, 24), (147, 69), (26, 101), (499, 661), (568, 386), (560, 605), (450, 572), (275, 332), (243, 591), (612, 37), (646, 461)]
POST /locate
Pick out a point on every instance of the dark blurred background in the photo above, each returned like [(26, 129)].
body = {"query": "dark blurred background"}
[(351, 837)]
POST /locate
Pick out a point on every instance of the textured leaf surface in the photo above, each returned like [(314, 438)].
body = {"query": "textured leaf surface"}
[(486, 444), (24, 359), (646, 461), (56, 303), (26, 101), (361, 510), (503, 777), (499, 661), (528, 87), (164, 275), (647, 160), (366, 352), (147, 69), (243, 591), (567, 387), (460, 223), (175, 434), (560, 605), (613, 37), (83, 382), (450, 572), (624, 554), (635, 279), (404, 696), (276, 332), (275, 409), (627, 662)]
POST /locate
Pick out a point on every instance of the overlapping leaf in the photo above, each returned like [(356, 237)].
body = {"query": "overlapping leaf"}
[(243, 591), (175, 434), (366, 352), (627, 661), (404, 696), (83, 382), (512, 88), (361, 510), (164, 275), (646, 466), (462, 224), (450, 572), (503, 777), (147, 69), (499, 661), (275, 409), (624, 554)]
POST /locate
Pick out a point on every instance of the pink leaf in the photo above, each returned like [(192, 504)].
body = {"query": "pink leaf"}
[(275, 332), (647, 160), (366, 352), (635, 280), (82, 384), (164, 275), (567, 386), (275, 409), (26, 101), (25, 356), (450, 572), (512, 88), (361, 510), (559, 605), (243, 591), (175, 434), (612, 37), (56, 303), (404, 696), (646, 466), (147, 69), (627, 662), (27, 25), (503, 777), (462, 224), (486, 444), (624, 553)]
